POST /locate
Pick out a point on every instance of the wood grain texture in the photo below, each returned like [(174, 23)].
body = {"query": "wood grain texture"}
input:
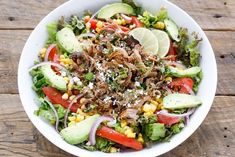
[(12, 42), (210, 14), (215, 137)]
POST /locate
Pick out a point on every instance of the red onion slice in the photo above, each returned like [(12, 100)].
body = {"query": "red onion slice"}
[(186, 119), (55, 113), (95, 126), (176, 64), (189, 90), (48, 51), (59, 66), (68, 109), (166, 113), (127, 18)]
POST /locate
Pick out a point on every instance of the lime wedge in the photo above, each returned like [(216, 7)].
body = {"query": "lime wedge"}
[(147, 39), (163, 42)]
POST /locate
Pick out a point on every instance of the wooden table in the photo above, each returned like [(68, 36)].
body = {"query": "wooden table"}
[(215, 137)]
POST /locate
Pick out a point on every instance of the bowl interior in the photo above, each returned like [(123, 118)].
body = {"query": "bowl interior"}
[(39, 36)]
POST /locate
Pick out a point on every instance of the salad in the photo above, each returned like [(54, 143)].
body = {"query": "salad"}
[(122, 78)]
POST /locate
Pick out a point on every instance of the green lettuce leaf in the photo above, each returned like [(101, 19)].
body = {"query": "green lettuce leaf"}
[(51, 30)]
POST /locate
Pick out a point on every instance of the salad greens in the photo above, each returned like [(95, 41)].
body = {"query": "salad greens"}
[(123, 78)]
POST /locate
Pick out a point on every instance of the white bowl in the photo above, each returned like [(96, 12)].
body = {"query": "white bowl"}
[(38, 38)]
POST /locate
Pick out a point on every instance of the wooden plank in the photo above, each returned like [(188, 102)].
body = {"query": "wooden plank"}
[(210, 14), (12, 42), (215, 137)]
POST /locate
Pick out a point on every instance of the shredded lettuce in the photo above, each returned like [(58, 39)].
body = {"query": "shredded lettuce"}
[(155, 131), (162, 14), (187, 51), (103, 145), (147, 19), (52, 30), (197, 81)]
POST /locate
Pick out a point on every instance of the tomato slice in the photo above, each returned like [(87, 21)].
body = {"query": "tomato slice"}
[(93, 23), (124, 29), (180, 83), (53, 55), (172, 52), (117, 137), (136, 21), (167, 120), (56, 98)]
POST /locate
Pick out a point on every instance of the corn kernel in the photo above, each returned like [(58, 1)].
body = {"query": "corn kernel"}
[(123, 123), (149, 107), (79, 118), (159, 25), (72, 97), (70, 86), (66, 79), (113, 150), (129, 133), (98, 30), (62, 57), (72, 118), (82, 100), (148, 114), (99, 24), (140, 138), (65, 96), (168, 79), (154, 102), (119, 21), (43, 52), (132, 26), (79, 111), (67, 61), (123, 22)]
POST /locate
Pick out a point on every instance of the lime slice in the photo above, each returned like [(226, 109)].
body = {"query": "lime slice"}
[(147, 39), (163, 42)]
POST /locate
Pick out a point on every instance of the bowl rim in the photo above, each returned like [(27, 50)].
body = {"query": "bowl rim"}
[(193, 128)]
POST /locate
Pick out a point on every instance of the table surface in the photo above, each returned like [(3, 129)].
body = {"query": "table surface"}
[(215, 137)]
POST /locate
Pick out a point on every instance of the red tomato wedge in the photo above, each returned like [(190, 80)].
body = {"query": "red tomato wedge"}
[(117, 137), (53, 55), (136, 21), (93, 23), (167, 120), (124, 29), (56, 98), (180, 85), (172, 52)]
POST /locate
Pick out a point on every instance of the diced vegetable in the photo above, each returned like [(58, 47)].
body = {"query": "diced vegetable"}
[(155, 131), (114, 136)]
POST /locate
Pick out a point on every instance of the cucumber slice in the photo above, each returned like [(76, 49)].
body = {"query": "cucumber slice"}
[(172, 29), (55, 80), (111, 9), (180, 101), (191, 72), (79, 132)]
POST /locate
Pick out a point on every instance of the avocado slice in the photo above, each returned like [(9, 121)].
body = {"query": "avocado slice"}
[(79, 132), (55, 80), (180, 101), (111, 9), (67, 40), (190, 72)]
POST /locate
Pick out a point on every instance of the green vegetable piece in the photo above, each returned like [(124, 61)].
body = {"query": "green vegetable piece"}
[(148, 19), (103, 144), (172, 29), (190, 72), (55, 80), (137, 9), (155, 131), (51, 30), (79, 132), (162, 14), (180, 101), (89, 76), (111, 9), (67, 40)]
